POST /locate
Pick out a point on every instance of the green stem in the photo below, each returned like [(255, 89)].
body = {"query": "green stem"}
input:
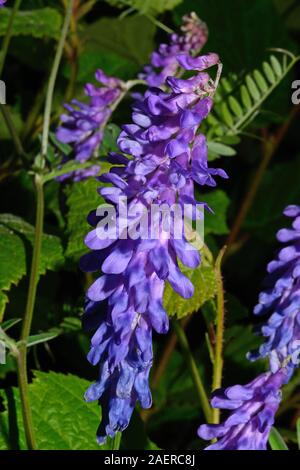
[(53, 76), (8, 35), (218, 355), (190, 361), (34, 273), (27, 321), (116, 443), (11, 128)]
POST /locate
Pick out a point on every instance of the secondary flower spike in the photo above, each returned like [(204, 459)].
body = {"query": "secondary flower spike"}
[(193, 36), (253, 408), (161, 158), (281, 300), (83, 126)]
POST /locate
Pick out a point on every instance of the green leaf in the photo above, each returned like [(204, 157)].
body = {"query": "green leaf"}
[(42, 338), (269, 73), (298, 432), (235, 106), (204, 282), (52, 253), (246, 98), (253, 93), (226, 114), (12, 263), (221, 149), (216, 223), (276, 66), (129, 38), (10, 323), (82, 198), (260, 81), (43, 22), (12, 258), (62, 420), (146, 6), (276, 441)]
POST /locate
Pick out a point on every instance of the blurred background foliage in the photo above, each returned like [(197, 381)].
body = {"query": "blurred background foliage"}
[(119, 36)]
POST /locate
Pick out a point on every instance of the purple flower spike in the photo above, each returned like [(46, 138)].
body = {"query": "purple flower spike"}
[(83, 126), (161, 158), (281, 299), (253, 409), (193, 37)]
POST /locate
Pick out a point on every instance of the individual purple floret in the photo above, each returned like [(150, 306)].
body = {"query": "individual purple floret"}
[(160, 160), (253, 408), (83, 126), (163, 64), (281, 300)]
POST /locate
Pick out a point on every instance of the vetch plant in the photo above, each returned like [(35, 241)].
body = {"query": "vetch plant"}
[(148, 244), (167, 159)]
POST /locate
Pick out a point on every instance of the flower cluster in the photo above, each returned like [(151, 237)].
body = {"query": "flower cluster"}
[(83, 127), (282, 300), (254, 405), (161, 158), (163, 64)]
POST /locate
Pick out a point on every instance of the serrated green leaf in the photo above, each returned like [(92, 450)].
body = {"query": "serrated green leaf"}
[(269, 73), (62, 420), (276, 441), (82, 198), (219, 202), (12, 263), (260, 81), (52, 252), (12, 258), (254, 91), (276, 66), (204, 282), (43, 22)]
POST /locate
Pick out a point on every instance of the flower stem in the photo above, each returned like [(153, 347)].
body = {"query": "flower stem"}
[(116, 442), (8, 35), (53, 76), (34, 273), (190, 361), (27, 321), (218, 356)]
